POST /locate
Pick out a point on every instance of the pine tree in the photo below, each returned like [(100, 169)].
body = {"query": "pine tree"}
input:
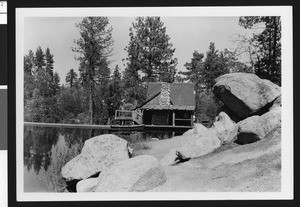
[(195, 69), (115, 92), (29, 84), (49, 62), (71, 77), (134, 91), (268, 43), (195, 74), (150, 49), (56, 84), (29, 63), (214, 66), (93, 47)]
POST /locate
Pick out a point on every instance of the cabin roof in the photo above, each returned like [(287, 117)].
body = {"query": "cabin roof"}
[(182, 97)]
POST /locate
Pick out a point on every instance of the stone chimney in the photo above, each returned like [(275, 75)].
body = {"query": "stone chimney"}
[(165, 94)]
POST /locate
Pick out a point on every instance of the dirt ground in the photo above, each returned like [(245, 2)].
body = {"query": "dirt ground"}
[(254, 167)]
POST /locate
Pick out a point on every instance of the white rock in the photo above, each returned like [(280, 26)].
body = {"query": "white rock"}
[(87, 185), (260, 126), (139, 173), (226, 129), (169, 158), (97, 154), (199, 128), (189, 132)]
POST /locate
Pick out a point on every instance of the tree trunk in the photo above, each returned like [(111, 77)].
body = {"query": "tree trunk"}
[(274, 68), (91, 104)]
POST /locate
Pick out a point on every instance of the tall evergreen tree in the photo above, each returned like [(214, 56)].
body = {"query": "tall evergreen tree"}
[(134, 90), (93, 47), (49, 62), (115, 92), (56, 84), (29, 63), (39, 59), (194, 69), (71, 77), (153, 51), (194, 74), (214, 66), (268, 44), (29, 84)]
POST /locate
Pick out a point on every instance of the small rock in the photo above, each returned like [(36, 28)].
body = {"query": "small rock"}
[(87, 185), (140, 174)]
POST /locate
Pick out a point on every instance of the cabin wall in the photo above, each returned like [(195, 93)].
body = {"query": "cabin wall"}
[(165, 117), (183, 118), (160, 118)]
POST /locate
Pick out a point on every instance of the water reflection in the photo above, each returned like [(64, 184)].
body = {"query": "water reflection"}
[(48, 149), (37, 151)]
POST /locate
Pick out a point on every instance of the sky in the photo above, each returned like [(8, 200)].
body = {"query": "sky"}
[(187, 34)]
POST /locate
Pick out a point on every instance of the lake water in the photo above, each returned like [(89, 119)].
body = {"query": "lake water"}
[(48, 149)]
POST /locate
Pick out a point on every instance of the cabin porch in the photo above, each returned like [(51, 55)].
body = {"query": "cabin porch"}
[(168, 117)]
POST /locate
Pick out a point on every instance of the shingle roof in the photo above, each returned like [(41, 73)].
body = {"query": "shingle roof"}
[(181, 94)]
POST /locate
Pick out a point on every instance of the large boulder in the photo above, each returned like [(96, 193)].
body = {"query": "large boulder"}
[(245, 93), (256, 128), (204, 144), (170, 158), (197, 129), (87, 185), (276, 103), (97, 154), (139, 174), (226, 129)]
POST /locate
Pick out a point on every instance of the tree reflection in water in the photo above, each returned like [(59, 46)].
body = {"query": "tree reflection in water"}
[(48, 149)]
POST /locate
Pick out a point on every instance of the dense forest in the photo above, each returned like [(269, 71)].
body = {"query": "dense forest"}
[(91, 95)]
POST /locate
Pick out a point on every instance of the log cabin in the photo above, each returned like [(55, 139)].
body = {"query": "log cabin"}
[(169, 104)]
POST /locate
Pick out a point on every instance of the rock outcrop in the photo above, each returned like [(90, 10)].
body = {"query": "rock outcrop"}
[(257, 127), (226, 129), (137, 174), (245, 93), (97, 154)]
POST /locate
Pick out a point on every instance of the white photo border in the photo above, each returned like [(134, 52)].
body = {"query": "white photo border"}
[(287, 181)]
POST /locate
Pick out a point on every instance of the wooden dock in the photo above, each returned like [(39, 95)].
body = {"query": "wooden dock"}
[(83, 126), (140, 127)]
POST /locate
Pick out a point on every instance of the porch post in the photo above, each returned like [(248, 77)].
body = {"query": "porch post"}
[(173, 118)]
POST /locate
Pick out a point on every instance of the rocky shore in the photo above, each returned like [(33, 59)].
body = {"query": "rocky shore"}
[(240, 152)]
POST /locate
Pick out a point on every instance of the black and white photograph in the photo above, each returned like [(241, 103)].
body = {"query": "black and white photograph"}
[(177, 103)]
